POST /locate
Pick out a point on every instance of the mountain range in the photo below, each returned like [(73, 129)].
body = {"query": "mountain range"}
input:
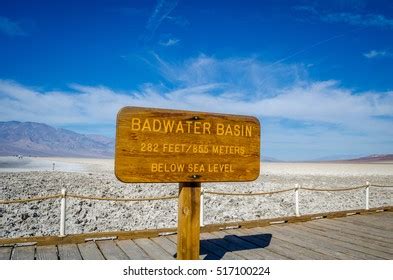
[(38, 139)]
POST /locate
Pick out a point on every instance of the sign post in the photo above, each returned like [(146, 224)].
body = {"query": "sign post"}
[(166, 146), (188, 225)]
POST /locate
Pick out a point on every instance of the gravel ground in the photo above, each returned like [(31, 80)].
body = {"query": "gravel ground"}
[(95, 177)]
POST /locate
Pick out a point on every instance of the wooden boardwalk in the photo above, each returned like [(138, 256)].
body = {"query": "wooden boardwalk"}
[(353, 237)]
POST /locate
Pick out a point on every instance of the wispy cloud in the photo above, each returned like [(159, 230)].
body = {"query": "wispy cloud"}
[(352, 18), (248, 75), (297, 111), (366, 20), (170, 42), (376, 54), (201, 86), (11, 28), (160, 13)]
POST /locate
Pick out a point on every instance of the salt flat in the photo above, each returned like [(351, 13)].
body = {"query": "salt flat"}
[(30, 177)]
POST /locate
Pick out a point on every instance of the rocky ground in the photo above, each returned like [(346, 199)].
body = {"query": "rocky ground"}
[(42, 218)]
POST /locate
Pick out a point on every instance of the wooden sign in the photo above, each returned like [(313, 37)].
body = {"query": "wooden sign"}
[(157, 145)]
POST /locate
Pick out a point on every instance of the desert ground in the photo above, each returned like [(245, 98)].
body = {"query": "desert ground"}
[(30, 177)]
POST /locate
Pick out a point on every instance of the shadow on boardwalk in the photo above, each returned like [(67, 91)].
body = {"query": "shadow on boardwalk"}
[(216, 248)]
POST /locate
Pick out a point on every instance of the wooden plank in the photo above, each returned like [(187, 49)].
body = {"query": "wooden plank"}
[(368, 228), (286, 249), (69, 252), (90, 251), (188, 229), (133, 251), (203, 253), (123, 235), (23, 253), (239, 246), (375, 225), (259, 240), (349, 248), (385, 218), (157, 145), (363, 229), (316, 244), (352, 237), (367, 241), (357, 231), (166, 244), (154, 251), (5, 253), (48, 252), (111, 251), (377, 222), (214, 248), (388, 216)]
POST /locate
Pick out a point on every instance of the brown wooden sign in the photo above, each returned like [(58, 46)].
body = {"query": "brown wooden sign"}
[(157, 145)]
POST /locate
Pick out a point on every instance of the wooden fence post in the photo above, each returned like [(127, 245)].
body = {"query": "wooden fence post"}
[(202, 207), (367, 195), (63, 212), (188, 226), (297, 200)]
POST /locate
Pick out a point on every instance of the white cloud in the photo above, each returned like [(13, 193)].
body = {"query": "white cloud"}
[(170, 42), (368, 20), (355, 19), (375, 53), (160, 13), (298, 110), (317, 102), (248, 76)]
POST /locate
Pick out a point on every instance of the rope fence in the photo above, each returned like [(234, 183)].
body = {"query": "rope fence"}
[(334, 190), (63, 195), (249, 194), (23, 200), (121, 199)]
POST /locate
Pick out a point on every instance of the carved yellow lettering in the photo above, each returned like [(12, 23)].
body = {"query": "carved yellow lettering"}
[(197, 127), (156, 125), (228, 131), (180, 167), (167, 168), (189, 123), (236, 130), (168, 125), (179, 128), (220, 129), (146, 125), (136, 124), (248, 130), (206, 128)]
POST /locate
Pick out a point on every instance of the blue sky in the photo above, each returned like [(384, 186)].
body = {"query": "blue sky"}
[(318, 74)]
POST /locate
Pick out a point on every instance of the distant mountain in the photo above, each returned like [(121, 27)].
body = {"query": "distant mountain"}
[(337, 157), (38, 139), (269, 159), (384, 157)]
